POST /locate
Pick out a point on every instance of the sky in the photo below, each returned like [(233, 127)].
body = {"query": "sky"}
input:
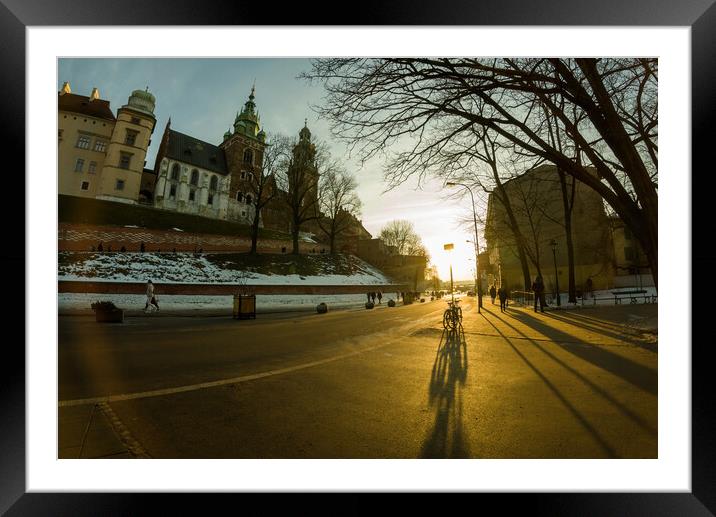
[(202, 97)]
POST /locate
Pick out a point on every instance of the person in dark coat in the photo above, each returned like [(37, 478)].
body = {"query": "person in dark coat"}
[(493, 293), (372, 295), (502, 295), (380, 296), (368, 295), (538, 290)]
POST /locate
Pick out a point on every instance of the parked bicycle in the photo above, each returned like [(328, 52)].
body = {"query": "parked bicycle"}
[(452, 318)]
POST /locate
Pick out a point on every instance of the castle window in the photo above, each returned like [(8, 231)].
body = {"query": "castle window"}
[(213, 183), (79, 164), (124, 160), (192, 195), (83, 142), (248, 199), (131, 137), (92, 168), (100, 145), (85, 185), (175, 172), (119, 185), (172, 192), (243, 213), (194, 177), (248, 156), (210, 200), (239, 196)]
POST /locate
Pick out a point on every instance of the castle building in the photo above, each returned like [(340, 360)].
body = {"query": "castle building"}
[(100, 155)]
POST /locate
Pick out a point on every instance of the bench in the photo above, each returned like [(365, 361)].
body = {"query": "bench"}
[(633, 295)]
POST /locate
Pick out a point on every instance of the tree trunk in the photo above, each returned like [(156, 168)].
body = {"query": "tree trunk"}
[(505, 200), (568, 232), (255, 235)]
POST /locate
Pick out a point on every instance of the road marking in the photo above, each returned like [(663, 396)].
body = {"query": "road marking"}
[(212, 384)]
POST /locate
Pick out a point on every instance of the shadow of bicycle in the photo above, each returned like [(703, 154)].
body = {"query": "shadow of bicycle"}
[(449, 373)]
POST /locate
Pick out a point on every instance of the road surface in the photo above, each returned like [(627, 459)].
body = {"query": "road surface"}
[(382, 383)]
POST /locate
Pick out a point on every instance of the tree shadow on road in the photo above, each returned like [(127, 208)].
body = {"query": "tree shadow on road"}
[(598, 438), (447, 437), (634, 373), (598, 327)]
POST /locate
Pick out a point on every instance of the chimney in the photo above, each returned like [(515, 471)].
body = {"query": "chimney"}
[(94, 95), (65, 88)]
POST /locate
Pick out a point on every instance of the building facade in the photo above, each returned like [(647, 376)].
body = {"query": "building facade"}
[(537, 204), (100, 155)]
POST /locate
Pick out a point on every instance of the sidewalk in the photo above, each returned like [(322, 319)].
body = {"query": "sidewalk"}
[(87, 432)]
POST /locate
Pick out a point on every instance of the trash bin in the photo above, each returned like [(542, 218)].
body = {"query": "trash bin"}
[(245, 306)]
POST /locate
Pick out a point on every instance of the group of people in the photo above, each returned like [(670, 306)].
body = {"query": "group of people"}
[(373, 295), (501, 294)]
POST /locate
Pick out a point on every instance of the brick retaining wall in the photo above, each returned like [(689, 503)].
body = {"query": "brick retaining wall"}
[(84, 237), (67, 286)]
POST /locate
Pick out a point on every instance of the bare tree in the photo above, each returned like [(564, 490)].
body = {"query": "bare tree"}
[(299, 176), (402, 235), (263, 181), (375, 103), (339, 203)]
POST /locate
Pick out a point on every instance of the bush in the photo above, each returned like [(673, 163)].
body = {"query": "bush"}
[(369, 305), (391, 303), (104, 306)]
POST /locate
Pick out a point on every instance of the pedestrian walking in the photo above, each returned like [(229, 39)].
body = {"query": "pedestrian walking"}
[(380, 296), (372, 296), (589, 287), (493, 293), (151, 297), (538, 290), (502, 295)]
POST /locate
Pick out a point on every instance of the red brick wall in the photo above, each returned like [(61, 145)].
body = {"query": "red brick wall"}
[(82, 237), (218, 289)]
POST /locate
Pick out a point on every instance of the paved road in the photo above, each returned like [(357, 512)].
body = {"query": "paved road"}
[(386, 383)]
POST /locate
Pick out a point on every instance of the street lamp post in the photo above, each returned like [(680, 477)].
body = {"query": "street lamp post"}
[(478, 280), (553, 243)]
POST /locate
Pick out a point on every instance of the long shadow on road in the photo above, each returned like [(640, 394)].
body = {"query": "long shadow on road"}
[(597, 328), (447, 437), (608, 450), (646, 426), (640, 376)]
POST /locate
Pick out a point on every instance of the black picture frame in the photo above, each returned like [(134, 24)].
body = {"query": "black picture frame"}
[(700, 15)]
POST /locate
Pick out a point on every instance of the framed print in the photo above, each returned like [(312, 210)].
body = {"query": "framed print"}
[(569, 406)]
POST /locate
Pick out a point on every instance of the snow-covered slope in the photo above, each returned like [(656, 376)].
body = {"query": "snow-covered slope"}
[(218, 269)]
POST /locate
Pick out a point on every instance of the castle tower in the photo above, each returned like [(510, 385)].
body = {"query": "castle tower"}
[(303, 175), (244, 149), (127, 150)]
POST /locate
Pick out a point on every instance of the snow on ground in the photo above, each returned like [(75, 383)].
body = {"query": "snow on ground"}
[(186, 268), (264, 303)]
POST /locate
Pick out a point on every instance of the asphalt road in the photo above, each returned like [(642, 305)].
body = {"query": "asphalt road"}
[(382, 383)]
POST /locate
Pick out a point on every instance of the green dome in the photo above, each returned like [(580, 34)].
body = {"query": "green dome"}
[(142, 100)]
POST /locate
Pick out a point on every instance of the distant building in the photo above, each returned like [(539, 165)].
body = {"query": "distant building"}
[(630, 261), (407, 269), (100, 155), (536, 199)]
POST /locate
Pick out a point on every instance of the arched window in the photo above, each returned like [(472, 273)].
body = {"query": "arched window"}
[(239, 196), (213, 183), (175, 172), (194, 177), (248, 156), (248, 199)]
